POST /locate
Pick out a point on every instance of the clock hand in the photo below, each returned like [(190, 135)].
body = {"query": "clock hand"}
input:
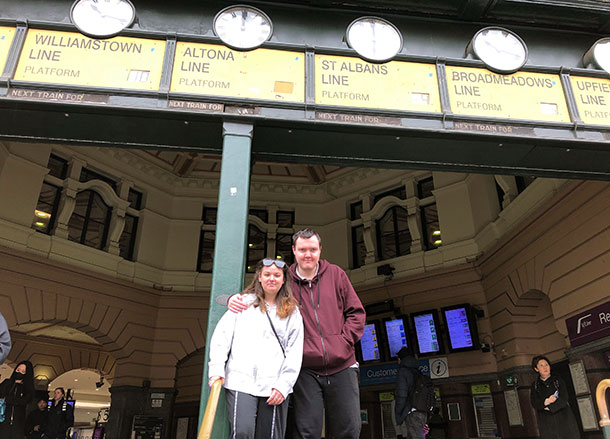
[(373, 37), (94, 7), (244, 14), (488, 44), (102, 15)]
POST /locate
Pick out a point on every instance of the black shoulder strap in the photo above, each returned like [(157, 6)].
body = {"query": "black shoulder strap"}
[(275, 333)]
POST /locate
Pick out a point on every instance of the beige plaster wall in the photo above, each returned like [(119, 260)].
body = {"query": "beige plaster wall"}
[(144, 330), (561, 254)]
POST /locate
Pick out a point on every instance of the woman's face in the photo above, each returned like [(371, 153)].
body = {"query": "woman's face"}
[(21, 369), (544, 369), (272, 279), (58, 395)]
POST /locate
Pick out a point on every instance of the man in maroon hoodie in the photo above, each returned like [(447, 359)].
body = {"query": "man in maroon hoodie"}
[(334, 318)]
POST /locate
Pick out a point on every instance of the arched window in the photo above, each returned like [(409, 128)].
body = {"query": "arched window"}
[(393, 236), (90, 220), (257, 247)]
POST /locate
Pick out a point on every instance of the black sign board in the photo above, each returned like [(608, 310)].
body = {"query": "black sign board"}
[(57, 95), (146, 427)]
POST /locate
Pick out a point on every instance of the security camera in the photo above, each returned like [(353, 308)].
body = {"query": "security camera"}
[(100, 383)]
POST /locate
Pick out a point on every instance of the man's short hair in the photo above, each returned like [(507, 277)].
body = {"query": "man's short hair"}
[(305, 234), (403, 353)]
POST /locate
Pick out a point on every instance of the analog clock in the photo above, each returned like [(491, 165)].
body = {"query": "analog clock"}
[(500, 49), (375, 39), (243, 27), (601, 54), (102, 18)]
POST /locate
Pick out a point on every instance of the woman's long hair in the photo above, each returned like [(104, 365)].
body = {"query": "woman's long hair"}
[(28, 379), (285, 302)]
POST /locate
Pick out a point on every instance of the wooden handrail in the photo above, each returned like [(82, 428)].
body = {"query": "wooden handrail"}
[(602, 404), (205, 432)]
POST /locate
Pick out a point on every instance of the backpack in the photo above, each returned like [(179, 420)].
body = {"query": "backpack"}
[(422, 396)]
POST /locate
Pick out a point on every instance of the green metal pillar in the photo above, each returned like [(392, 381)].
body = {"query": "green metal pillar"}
[(230, 246)]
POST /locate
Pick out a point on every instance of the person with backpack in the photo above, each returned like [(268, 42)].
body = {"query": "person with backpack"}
[(414, 396)]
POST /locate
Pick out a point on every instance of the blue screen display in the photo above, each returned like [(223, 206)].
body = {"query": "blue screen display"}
[(397, 335), (427, 333), (369, 343), (460, 335)]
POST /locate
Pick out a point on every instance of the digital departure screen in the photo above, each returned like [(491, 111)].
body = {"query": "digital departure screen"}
[(69, 402), (461, 328), (369, 343), (458, 327), (426, 332), (396, 331)]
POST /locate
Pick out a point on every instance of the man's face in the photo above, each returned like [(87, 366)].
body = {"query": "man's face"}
[(58, 395), (307, 253), (42, 405)]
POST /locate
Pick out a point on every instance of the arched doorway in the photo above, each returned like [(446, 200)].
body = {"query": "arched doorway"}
[(90, 391)]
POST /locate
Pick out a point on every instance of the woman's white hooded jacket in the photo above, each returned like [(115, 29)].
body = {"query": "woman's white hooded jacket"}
[(246, 353)]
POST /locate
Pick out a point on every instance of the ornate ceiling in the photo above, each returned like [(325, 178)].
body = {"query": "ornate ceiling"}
[(190, 164), (53, 331)]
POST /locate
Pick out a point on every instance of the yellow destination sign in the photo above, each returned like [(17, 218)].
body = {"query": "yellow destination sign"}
[(592, 98), (522, 95), (6, 38), (74, 59), (386, 396), (207, 69), (480, 389), (396, 85)]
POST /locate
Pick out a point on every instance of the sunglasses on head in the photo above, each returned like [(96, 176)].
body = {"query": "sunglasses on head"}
[(278, 263)]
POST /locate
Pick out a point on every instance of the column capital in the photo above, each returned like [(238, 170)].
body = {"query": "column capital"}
[(237, 129)]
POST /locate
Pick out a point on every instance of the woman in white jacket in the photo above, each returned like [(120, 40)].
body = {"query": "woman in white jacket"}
[(257, 354)]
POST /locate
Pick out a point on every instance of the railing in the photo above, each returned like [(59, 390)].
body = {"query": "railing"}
[(602, 405), (205, 432)]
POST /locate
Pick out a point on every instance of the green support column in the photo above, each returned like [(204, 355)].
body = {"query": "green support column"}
[(230, 246)]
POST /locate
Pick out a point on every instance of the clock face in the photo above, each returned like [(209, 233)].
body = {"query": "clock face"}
[(242, 27), (500, 49), (375, 39), (102, 18), (601, 54)]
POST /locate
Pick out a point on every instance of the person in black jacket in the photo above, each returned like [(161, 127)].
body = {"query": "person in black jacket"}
[(61, 416), (405, 383), (549, 396), (18, 391), (37, 419)]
